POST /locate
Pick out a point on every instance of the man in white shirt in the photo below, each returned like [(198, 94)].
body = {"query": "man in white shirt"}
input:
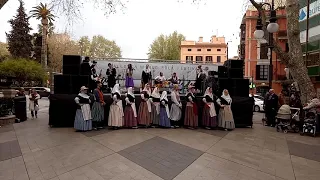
[(160, 79)]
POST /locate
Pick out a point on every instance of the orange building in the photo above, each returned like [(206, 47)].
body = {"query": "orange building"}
[(256, 54), (204, 52)]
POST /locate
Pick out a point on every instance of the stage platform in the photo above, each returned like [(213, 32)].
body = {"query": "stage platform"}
[(63, 108)]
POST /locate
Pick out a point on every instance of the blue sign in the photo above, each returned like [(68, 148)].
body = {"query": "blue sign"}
[(302, 15)]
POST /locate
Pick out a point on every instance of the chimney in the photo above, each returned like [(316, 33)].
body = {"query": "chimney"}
[(213, 38), (200, 39)]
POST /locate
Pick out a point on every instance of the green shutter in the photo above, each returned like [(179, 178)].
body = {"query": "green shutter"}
[(313, 70)]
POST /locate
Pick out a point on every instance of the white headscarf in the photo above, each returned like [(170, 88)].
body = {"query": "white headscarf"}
[(147, 69), (148, 90), (164, 96), (130, 91), (226, 97), (208, 93), (155, 93), (116, 89)]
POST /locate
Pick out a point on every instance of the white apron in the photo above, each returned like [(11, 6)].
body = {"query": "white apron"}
[(167, 110), (133, 106), (119, 103), (149, 105), (212, 110), (86, 112)]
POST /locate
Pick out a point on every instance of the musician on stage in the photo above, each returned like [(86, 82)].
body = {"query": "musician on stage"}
[(129, 78), (160, 79), (200, 78), (111, 74), (174, 79), (94, 76)]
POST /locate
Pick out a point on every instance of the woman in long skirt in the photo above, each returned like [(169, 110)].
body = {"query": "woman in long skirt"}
[(164, 111), (191, 113), (98, 108), (155, 107), (225, 114), (209, 115), (115, 119), (130, 112), (129, 78), (83, 117), (33, 103), (144, 113), (176, 106)]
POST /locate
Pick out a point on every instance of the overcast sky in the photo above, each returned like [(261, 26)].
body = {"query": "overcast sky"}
[(142, 21)]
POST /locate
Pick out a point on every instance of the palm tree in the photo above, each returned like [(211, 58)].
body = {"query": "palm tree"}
[(44, 13)]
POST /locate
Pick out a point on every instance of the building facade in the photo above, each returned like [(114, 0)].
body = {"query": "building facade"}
[(214, 51), (310, 38), (256, 53)]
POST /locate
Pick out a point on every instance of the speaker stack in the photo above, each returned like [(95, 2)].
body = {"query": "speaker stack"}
[(71, 80), (231, 78)]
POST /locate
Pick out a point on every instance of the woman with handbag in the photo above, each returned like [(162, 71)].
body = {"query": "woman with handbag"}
[(33, 103)]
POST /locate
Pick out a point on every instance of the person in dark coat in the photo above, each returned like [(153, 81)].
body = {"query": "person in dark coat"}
[(272, 106), (111, 73), (85, 68)]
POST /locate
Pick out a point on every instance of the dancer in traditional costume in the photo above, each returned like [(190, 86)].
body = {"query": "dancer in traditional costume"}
[(144, 113), (225, 114), (209, 119), (155, 107), (83, 117), (176, 106), (115, 119), (98, 107), (129, 78), (130, 112), (191, 113), (164, 111)]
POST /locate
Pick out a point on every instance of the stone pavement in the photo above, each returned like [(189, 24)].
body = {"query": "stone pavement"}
[(33, 151)]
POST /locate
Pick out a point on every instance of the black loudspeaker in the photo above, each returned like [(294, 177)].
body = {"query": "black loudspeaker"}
[(236, 73), (241, 87), (71, 64), (62, 84), (236, 64), (77, 82), (222, 72), (226, 83)]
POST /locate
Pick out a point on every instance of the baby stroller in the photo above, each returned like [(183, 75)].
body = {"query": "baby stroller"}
[(287, 119), (310, 124)]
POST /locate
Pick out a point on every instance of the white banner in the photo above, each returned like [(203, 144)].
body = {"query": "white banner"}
[(314, 9)]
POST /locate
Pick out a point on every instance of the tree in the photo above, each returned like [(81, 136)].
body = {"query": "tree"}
[(19, 39), (43, 12), (4, 53), (294, 58), (22, 70), (59, 45), (166, 47), (84, 46), (101, 47)]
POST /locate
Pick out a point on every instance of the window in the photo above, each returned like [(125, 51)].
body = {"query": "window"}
[(208, 49), (262, 72), (189, 58), (218, 49), (198, 49), (208, 58), (264, 51), (287, 47), (189, 49), (218, 59), (198, 58)]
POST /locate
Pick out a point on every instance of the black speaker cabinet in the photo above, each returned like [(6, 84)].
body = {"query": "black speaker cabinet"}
[(225, 83), (71, 64), (236, 73), (236, 64), (77, 82), (222, 72), (62, 84), (236, 87)]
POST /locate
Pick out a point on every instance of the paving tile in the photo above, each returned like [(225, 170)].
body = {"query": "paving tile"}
[(9, 150), (162, 157), (13, 169), (6, 128), (7, 136), (305, 169), (95, 133), (218, 133), (307, 151)]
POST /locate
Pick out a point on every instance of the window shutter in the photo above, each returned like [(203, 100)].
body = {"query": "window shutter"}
[(257, 72)]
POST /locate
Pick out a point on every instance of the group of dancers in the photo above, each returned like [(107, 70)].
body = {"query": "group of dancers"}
[(153, 111)]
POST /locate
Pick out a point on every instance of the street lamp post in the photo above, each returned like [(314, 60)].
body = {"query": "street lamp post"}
[(271, 28), (228, 50)]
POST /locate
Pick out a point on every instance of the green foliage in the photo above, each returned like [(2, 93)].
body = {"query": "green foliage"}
[(4, 53), (99, 47), (19, 39), (166, 47), (22, 70), (42, 11)]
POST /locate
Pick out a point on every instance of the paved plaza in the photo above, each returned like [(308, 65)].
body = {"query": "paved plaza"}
[(33, 151)]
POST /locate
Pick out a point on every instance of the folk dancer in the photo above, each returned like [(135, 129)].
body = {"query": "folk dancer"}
[(225, 118), (115, 119), (209, 115), (33, 103), (94, 78), (199, 76), (111, 74), (155, 107), (83, 117), (98, 107), (130, 112), (191, 113), (164, 111), (129, 78), (146, 76), (144, 113), (176, 106)]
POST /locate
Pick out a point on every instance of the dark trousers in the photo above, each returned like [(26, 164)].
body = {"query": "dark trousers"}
[(174, 123), (34, 113), (271, 117)]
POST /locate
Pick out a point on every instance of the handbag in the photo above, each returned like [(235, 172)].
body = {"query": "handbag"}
[(36, 107)]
